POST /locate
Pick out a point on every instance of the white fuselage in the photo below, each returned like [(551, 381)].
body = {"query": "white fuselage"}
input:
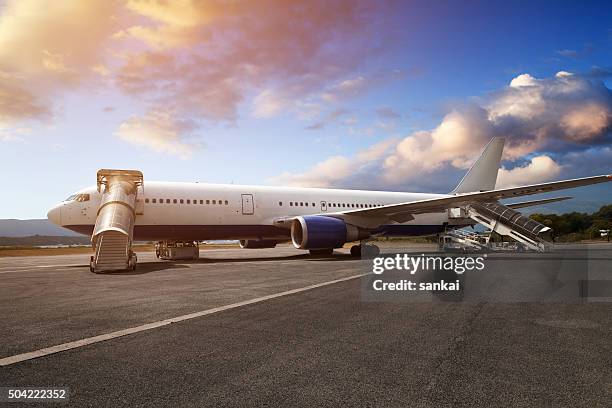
[(198, 211)]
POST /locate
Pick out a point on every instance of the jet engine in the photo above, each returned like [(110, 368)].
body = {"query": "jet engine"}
[(322, 232)]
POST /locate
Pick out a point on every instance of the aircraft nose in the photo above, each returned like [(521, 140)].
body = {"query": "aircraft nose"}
[(55, 215)]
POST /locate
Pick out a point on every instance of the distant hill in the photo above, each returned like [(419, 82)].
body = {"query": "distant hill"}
[(42, 240), (25, 228)]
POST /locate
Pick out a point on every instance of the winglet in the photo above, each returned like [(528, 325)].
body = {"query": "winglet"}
[(483, 173)]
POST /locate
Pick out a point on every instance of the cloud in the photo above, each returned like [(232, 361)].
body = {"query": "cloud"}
[(270, 103), (200, 60), (571, 53), (568, 53), (48, 49), (586, 122), (386, 112), (354, 86), (346, 88), (546, 119), (335, 171), (160, 131), (18, 103), (13, 134), (206, 59), (306, 91), (539, 169), (328, 119)]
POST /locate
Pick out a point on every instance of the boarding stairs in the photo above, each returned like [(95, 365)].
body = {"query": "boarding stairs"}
[(506, 221), (114, 230), (464, 239)]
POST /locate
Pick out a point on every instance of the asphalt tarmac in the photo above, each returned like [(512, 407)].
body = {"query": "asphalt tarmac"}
[(262, 335)]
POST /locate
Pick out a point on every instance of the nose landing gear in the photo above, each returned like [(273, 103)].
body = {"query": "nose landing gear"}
[(364, 251)]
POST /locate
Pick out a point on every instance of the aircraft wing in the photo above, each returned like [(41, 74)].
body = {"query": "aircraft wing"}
[(403, 211), (532, 203)]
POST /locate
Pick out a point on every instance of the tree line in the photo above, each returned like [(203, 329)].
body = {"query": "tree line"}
[(577, 226)]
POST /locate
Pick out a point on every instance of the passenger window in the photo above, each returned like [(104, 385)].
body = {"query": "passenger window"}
[(154, 200), (220, 202), (195, 201), (214, 201), (313, 204), (226, 202), (207, 201), (201, 201), (301, 204), (290, 203), (280, 203), (188, 201), (146, 200), (181, 201), (174, 201)]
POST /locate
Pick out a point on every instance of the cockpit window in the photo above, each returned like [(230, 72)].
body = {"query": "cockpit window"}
[(78, 197)]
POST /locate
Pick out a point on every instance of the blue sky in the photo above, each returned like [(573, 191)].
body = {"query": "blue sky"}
[(386, 95)]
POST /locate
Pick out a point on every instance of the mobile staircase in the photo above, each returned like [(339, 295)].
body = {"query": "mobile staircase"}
[(506, 221), (114, 229), (460, 239)]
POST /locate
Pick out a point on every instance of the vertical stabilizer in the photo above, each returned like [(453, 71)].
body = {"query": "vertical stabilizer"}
[(483, 174)]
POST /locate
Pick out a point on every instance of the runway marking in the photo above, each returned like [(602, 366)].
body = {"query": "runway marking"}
[(120, 333), (17, 269)]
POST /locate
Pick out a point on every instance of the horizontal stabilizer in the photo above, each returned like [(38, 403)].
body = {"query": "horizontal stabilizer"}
[(532, 203)]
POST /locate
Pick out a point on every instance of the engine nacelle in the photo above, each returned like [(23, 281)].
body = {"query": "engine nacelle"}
[(322, 232), (257, 244)]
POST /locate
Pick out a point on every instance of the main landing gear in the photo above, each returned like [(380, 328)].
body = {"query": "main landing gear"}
[(364, 251)]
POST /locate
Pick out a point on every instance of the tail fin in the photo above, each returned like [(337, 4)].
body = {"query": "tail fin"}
[(483, 173)]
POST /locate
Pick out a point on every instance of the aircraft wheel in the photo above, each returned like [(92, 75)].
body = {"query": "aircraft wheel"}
[(91, 265), (356, 251), (133, 261), (370, 251)]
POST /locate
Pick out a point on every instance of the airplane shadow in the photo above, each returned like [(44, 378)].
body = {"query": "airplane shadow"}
[(141, 269), (156, 266), (300, 257)]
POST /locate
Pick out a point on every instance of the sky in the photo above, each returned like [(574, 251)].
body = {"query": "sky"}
[(385, 95)]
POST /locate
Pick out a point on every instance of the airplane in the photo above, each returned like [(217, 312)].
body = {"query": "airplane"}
[(122, 209)]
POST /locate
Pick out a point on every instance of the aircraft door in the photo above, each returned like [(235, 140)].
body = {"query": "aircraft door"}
[(248, 207), (323, 205), (139, 201)]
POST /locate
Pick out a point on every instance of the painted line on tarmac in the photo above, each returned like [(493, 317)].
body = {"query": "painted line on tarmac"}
[(33, 268), (125, 332)]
